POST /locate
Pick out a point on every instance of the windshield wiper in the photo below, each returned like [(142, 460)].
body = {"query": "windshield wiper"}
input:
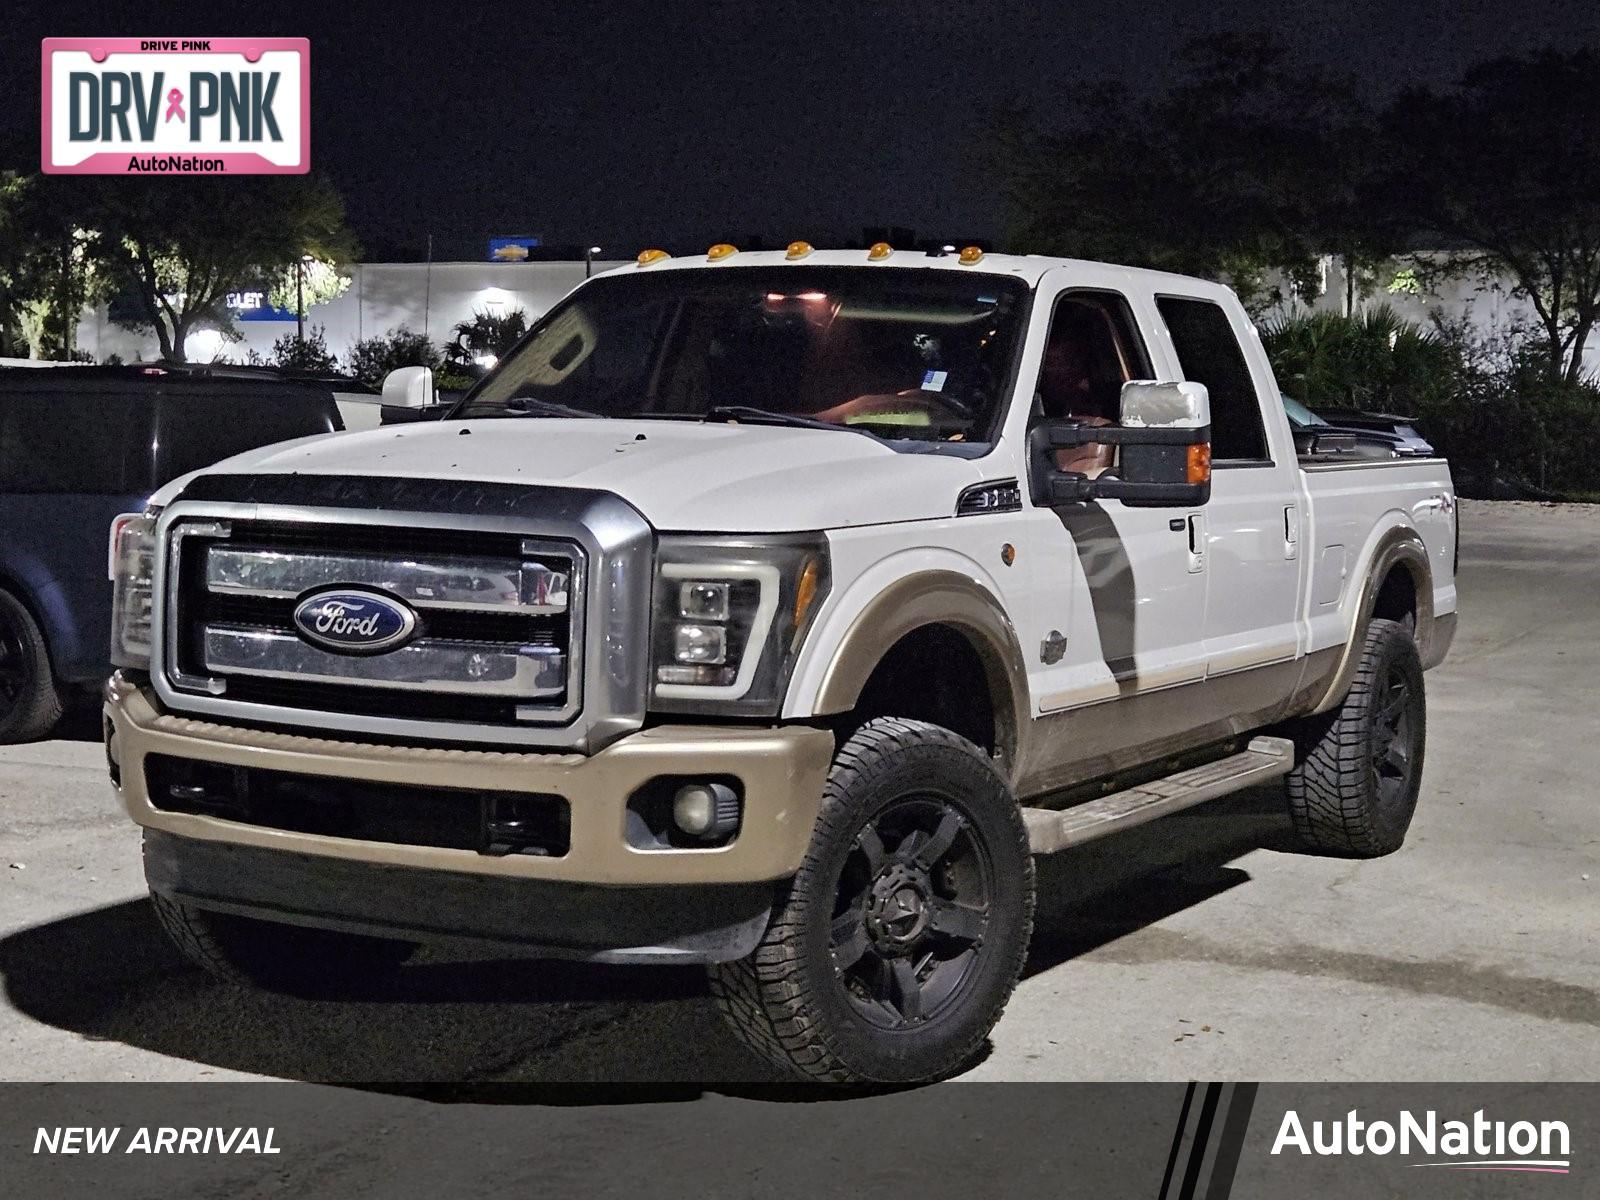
[(532, 406), (752, 415)]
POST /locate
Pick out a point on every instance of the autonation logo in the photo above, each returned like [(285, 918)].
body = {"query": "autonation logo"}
[(1479, 1144)]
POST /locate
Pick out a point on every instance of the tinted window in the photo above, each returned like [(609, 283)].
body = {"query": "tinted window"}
[(196, 430), (1093, 349), (62, 442), (1209, 353)]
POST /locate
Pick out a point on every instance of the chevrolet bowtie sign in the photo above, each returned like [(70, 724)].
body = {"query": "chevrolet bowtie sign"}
[(176, 106)]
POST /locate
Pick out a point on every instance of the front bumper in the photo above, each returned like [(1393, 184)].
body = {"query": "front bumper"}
[(782, 771)]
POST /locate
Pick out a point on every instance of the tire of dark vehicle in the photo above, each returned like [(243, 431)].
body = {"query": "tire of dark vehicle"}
[(30, 699), (282, 958), (1358, 768), (893, 950)]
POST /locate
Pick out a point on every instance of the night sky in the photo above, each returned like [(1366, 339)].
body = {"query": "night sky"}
[(629, 124)]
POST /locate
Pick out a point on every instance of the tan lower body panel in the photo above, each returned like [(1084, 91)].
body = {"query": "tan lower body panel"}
[(782, 770)]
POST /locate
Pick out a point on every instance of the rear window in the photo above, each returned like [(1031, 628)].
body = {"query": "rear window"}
[(100, 438), (89, 443), (195, 430)]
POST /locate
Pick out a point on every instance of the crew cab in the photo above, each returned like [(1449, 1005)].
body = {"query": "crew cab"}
[(770, 611)]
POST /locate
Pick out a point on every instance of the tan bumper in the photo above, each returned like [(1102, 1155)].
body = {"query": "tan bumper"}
[(782, 770)]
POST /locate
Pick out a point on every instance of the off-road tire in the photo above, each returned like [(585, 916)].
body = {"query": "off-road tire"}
[(31, 701), (788, 1001), (1343, 798), (276, 956)]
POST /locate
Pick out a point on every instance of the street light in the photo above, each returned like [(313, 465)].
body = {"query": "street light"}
[(588, 260), (300, 299)]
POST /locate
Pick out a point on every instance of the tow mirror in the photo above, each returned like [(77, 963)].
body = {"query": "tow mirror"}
[(408, 387), (1164, 441)]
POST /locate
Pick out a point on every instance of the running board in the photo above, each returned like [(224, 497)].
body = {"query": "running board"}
[(1051, 829)]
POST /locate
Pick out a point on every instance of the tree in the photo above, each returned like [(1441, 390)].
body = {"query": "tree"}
[(47, 269), (1247, 166), (179, 246), (311, 283), (1505, 170)]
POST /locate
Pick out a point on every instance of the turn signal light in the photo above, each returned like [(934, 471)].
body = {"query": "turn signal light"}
[(797, 250), (879, 251), (646, 257), (1199, 464), (970, 255), (721, 251)]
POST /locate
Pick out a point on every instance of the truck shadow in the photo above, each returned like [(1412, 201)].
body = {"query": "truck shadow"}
[(109, 976)]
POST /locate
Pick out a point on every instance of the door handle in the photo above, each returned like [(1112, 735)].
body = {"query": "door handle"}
[(1291, 531), (1197, 542)]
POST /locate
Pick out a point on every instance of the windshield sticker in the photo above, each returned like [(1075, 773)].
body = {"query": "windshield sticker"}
[(933, 381)]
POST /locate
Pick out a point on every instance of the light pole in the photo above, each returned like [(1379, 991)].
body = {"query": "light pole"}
[(588, 260), (300, 299)]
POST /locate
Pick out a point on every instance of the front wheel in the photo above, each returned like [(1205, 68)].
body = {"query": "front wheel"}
[(30, 699), (900, 939), (1354, 788)]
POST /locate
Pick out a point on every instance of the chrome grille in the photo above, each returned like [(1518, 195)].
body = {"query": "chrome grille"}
[(499, 616)]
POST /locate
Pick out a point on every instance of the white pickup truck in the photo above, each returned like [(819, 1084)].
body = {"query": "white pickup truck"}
[(770, 611)]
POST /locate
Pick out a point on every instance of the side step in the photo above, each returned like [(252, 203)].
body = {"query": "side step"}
[(1051, 829)]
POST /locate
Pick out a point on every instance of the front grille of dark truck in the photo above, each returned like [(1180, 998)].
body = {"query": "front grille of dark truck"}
[(497, 642)]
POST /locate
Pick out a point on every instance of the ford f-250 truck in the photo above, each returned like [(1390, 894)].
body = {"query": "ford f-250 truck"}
[(770, 611)]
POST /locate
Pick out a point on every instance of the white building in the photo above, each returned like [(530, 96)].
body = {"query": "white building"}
[(428, 298)]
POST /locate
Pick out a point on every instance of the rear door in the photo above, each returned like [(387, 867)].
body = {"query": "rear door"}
[(1254, 521)]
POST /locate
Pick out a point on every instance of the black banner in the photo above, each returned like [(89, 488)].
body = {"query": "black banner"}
[(1199, 1141)]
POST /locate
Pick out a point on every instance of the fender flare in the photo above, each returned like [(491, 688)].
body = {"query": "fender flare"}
[(1399, 547), (937, 597)]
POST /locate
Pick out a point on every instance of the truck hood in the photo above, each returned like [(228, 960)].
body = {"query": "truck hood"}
[(720, 478)]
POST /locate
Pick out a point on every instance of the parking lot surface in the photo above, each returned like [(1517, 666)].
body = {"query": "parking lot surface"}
[(1202, 946)]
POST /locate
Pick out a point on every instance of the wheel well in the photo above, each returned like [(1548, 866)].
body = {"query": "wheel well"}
[(932, 674), (1397, 596)]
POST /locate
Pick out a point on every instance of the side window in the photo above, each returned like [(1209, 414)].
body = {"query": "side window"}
[(1209, 353), (1093, 349), (63, 443)]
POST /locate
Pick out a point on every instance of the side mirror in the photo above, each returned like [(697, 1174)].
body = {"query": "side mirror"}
[(408, 387), (1165, 441)]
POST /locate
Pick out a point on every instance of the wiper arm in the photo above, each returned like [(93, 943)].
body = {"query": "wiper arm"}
[(525, 406), (754, 415)]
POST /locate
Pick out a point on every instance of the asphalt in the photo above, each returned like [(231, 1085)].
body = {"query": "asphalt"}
[(1203, 946)]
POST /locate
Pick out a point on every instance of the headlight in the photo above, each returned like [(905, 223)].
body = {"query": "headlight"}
[(133, 561), (729, 617)]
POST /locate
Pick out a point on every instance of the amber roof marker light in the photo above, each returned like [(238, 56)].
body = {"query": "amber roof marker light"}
[(721, 251), (970, 255), (797, 250), (646, 257), (879, 251)]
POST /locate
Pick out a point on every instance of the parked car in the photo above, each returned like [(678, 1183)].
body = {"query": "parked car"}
[(1408, 441), (77, 446), (770, 611), (1319, 438)]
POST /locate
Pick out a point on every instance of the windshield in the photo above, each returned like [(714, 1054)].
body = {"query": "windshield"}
[(921, 355), (1299, 414)]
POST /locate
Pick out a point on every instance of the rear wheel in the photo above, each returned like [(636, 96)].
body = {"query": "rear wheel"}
[(902, 935), (1355, 787), (285, 958), (30, 701)]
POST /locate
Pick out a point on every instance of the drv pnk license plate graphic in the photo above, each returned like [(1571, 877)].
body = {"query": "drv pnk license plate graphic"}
[(176, 106)]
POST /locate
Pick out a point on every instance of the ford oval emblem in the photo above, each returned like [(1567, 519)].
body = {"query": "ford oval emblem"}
[(354, 621)]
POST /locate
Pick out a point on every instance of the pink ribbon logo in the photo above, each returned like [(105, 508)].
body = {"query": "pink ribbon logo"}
[(174, 106)]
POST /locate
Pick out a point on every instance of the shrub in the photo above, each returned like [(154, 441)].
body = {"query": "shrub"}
[(487, 334), (1376, 360), (305, 354), (373, 358)]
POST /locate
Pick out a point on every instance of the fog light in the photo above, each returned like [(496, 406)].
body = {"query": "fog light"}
[(706, 810)]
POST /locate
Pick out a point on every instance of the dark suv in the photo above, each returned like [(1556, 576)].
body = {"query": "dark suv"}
[(78, 445)]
